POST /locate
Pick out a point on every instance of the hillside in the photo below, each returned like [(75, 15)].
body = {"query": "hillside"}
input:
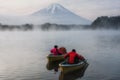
[(106, 22)]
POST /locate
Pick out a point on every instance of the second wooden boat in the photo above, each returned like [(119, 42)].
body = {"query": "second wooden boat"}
[(66, 68)]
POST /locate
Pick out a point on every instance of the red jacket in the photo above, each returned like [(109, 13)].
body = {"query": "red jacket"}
[(71, 57), (55, 51)]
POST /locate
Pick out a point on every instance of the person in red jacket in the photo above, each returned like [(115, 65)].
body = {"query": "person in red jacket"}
[(73, 57), (55, 50)]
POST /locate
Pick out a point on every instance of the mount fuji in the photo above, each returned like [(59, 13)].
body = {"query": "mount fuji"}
[(56, 13)]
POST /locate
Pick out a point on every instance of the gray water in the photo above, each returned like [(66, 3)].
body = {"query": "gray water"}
[(23, 54)]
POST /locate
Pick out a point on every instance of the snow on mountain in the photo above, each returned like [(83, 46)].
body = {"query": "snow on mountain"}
[(54, 9), (56, 13)]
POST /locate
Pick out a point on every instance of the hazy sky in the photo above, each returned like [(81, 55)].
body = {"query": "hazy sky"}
[(89, 9)]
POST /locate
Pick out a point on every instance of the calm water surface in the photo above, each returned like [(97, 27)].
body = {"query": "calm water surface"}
[(23, 54)]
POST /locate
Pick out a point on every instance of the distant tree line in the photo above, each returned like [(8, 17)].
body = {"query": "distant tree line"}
[(50, 26), (106, 22), (24, 27)]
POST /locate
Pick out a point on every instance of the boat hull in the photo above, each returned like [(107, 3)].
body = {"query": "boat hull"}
[(52, 58), (66, 68)]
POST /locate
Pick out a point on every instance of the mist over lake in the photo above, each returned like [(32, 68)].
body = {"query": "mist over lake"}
[(23, 54)]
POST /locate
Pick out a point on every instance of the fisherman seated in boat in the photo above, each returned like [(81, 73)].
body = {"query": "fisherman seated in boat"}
[(55, 51), (73, 57)]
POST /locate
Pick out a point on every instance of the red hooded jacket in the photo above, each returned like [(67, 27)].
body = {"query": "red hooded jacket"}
[(71, 57), (55, 51)]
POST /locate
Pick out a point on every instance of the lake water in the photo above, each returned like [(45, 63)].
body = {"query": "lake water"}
[(23, 54)]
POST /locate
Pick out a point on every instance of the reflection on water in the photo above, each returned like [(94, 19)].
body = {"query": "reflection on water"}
[(54, 65), (74, 74)]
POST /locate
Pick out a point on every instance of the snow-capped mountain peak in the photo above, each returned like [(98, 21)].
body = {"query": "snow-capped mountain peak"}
[(56, 13), (52, 9), (55, 8)]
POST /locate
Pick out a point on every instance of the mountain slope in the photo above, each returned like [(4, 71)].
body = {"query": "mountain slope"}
[(56, 13)]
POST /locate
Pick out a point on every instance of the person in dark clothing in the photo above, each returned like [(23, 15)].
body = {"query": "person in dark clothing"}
[(73, 57), (62, 50)]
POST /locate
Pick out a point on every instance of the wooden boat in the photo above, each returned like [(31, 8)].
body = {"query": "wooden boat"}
[(73, 75), (52, 58), (66, 68)]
